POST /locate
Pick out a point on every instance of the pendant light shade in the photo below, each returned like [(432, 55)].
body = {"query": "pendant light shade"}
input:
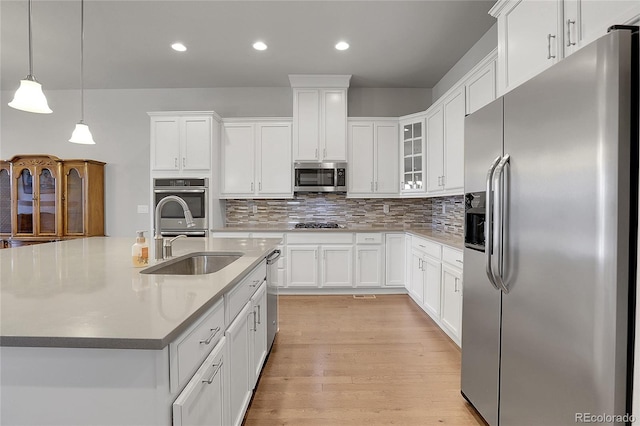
[(81, 134), (29, 96)]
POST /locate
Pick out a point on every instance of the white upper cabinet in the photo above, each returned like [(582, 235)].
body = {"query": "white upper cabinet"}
[(412, 160), (454, 111), (373, 158), (529, 39), (481, 87), (584, 21), (535, 34), (435, 149), (319, 117), (181, 141), (256, 160)]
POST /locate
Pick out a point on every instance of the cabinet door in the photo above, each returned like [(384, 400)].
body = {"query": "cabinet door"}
[(274, 157), (416, 287), (165, 143), (368, 266), (202, 400), (238, 156), (240, 341), (361, 158), (435, 149), (337, 264), (452, 300), (432, 281), (5, 199), (259, 304), (196, 143), (481, 88), (531, 39), (334, 125), (73, 198), (454, 111), (386, 158), (394, 260), (47, 193), (306, 129), (412, 158), (586, 20), (302, 266)]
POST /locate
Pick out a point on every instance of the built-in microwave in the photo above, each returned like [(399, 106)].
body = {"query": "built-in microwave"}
[(320, 177)]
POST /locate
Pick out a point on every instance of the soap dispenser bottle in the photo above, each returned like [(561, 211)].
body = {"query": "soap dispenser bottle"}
[(140, 251)]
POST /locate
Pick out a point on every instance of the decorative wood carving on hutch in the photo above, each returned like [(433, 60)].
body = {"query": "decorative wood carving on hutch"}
[(54, 199)]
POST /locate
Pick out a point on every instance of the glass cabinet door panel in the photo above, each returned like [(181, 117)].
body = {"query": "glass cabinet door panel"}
[(408, 177), (407, 132), (417, 130), (75, 200), (47, 202), (408, 164), (24, 219), (408, 148), (417, 146), (5, 202), (418, 180)]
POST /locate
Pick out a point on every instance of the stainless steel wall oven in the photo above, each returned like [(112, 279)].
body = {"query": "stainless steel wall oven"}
[(195, 193)]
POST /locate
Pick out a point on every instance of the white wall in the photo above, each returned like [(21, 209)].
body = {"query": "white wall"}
[(120, 126), (486, 44)]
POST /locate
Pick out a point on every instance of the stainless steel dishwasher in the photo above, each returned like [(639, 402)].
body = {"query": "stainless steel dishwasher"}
[(272, 297)]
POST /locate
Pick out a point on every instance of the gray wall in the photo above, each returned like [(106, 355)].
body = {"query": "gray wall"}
[(120, 126), (486, 44)]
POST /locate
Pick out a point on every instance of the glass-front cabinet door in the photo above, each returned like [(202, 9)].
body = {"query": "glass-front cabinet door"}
[(5, 199), (73, 199), (36, 191), (412, 137)]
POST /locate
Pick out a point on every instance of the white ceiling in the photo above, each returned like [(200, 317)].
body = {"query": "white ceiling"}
[(127, 43)]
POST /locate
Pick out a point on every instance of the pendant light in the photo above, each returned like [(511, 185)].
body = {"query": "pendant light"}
[(81, 133), (29, 96)]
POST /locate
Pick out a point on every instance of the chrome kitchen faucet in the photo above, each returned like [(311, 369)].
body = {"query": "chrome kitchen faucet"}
[(159, 246)]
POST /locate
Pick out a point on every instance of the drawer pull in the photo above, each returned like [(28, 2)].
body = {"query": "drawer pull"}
[(422, 246), (213, 376), (458, 260), (255, 283), (215, 331), (369, 239), (259, 316)]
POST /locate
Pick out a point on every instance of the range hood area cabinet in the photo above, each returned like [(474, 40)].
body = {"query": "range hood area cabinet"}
[(54, 199), (319, 117)]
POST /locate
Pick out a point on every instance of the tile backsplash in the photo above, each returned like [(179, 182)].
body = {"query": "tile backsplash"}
[(426, 212)]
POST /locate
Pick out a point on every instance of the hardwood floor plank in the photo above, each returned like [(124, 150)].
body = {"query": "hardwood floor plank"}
[(344, 361)]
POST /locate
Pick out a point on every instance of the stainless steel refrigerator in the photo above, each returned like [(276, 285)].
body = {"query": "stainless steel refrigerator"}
[(550, 234)]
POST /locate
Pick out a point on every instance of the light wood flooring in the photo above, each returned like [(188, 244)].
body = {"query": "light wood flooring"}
[(344, 361)]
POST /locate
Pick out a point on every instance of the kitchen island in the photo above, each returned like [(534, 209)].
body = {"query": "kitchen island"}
[(85, 337)]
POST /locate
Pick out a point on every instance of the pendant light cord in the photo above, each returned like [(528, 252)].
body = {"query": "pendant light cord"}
[(81, 60), (30, 45)]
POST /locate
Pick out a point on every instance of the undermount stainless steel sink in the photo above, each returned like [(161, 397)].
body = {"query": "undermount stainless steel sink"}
[(194, 264)]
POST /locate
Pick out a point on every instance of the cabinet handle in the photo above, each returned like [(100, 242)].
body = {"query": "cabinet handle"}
[(255, 283), (259, 315), (376, 186), (215, 331), (401, 185), (455, 286), (368, 239), (458, 260), (422, 246), (372, 186), (213, 376), (569, 42), (442, 180), (251, 186), (316, 153), (549, 55), (255, 326), (184, 161), (259, 186), (175, 162), (420, 264)]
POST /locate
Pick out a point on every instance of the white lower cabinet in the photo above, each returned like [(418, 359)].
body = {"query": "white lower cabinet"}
[(452, 301), (369, 266), (337, 263), (240, 341), (202, 400), (394, 264), (435, 283), (302, 268), (259, 329)]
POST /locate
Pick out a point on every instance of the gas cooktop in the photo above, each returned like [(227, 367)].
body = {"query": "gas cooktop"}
[(317, 225)]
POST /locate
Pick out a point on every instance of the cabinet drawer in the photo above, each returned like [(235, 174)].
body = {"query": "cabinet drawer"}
[(428, 247), (237, 297), (187, 351), (368, 238), (320, 237), (204, 393), (230, 234), (452, 256)]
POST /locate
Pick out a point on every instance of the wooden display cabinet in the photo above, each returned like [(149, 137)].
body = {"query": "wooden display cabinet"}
[(54, 199), (5, 203)]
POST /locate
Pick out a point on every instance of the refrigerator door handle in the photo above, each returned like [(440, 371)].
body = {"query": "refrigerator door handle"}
[(488, 245), (497, 260)]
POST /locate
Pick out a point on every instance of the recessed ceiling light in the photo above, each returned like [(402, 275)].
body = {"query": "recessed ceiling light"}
[(179, 47), (259, 45), (342, 45)]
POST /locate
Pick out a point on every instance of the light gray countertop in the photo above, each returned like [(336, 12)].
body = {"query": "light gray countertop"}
[(451, 240), (86, 293)]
